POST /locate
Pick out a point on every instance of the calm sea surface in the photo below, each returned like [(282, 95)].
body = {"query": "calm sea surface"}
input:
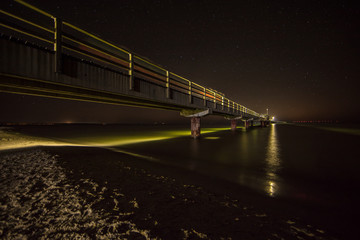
[(309, 164)]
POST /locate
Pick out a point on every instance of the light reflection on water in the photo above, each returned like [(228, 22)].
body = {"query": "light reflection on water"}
[(229, 155), (272, 162), (269, 160), (14, 140), (135, 137)]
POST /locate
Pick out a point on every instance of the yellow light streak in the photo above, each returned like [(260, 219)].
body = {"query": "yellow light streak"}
[(95, 37), (89, 89), (101, 60), (134, 154), (209, 90), (34, 8), (10, 140), (29, 22), (29, 34), (181, 77), (96, 49), (86, 98), (152, 64), (198, 85), (212, 138), (89, 100), (113, 141)]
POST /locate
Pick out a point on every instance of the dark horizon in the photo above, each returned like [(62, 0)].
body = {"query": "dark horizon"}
[(298, 59)]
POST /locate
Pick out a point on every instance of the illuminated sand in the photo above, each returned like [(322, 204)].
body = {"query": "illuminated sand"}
[(14, 140), (84, 192)]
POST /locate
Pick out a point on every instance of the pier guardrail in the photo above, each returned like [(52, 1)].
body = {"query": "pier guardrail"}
[(62, 37)]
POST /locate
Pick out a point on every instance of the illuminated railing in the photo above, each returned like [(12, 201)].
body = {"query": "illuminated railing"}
[(64, 36)]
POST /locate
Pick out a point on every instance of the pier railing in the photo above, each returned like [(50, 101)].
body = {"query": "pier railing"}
[(66, 39)]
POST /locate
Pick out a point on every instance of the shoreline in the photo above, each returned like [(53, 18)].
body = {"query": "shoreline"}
[(173, 203)]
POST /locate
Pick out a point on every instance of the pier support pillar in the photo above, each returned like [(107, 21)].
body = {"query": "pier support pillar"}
[(195, 127), (246, 123), (251, 123), (233, 124), (262, 123)]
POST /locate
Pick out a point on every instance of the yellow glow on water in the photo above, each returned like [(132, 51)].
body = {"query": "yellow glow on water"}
[(134, 154), (272, 161), (342, 130), (139, 137), (271, 189), (211, 138), (129, 138), (13, 140), (107, 142), (211, 130)]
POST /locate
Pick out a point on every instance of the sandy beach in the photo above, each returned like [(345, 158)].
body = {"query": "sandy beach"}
[(56, 189), (84, 192)]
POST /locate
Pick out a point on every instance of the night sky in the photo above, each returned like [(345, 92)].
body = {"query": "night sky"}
[(300, 59)]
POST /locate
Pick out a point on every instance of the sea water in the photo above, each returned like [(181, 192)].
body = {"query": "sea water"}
[(310, 163), (313, 165)]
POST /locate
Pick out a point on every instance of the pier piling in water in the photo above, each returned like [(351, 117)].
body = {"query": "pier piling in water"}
[(233, 124), (195, 127)]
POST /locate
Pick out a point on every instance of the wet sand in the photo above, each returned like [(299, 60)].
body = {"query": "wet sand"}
[(85, 192)]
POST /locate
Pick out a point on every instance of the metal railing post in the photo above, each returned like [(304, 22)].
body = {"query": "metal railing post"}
[(58, 44), (214, 100), (190, 93), (131, 71), (205, 97), (167, 84)]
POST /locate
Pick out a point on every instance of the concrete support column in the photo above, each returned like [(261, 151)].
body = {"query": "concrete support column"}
[(195, 127), (233, 124), (262, 124), (251, 123)]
